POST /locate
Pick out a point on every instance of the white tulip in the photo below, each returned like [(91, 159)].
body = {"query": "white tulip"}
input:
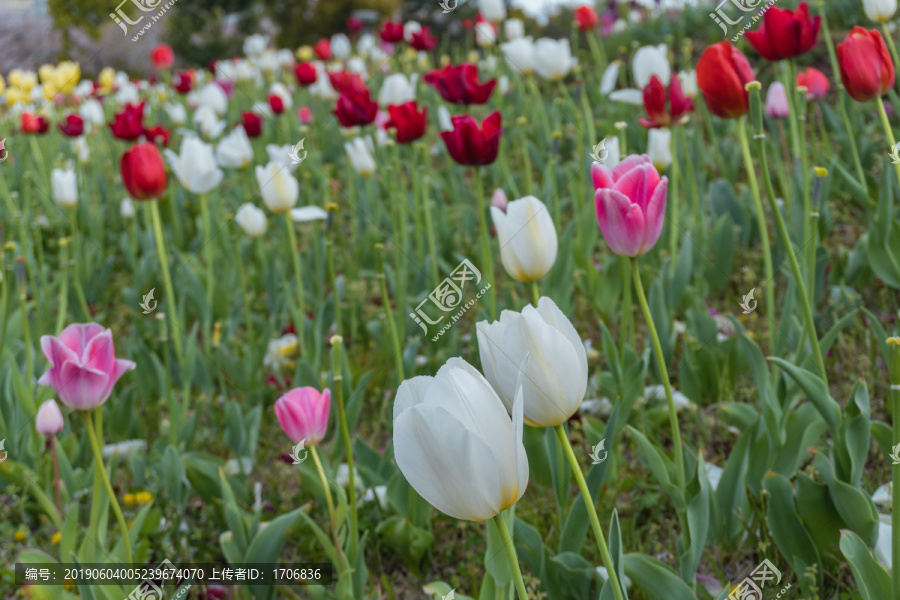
[(553, 58), (457, 446), (613, 156), (649, 61), (281, 154), (176, 112), (365, 44), (285, 59), (493, 10), (213, 96), (305, 214), (880, 11), (519, 54), (410, 28), (267, 62), (92, 112), (255, 44), (659, 147), (513, 29), (208, 123), (127, 94), (689, 83), (322, 86), (445, 121), (126, 208), (357, 65), (527, 237), (610, 77), (503, 84), (359, 152), (485, 34), (234, 150), (65, 186), (280, 90), (341, 46), (251, 219), (397, 89), (554, 379), (195, 166), (278, 187), (81, 148)]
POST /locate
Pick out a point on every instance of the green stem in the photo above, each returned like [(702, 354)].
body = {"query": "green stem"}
[(887, 130), (208, 255), (98, 456), (389, 314), (592, 512), (890, 42), (692, 181), (486, 259), (167, 278), (331, 514), (809, 249), (337, 366), (511, 556), (298, 275), (332, 275), (79, 291), (535, 292), (674, 202), (895, 496), (63, 309), (429, 227), (21, 278), (627, 330)]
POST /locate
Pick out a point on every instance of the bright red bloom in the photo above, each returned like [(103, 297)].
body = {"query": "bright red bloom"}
[(586, 17), (664, 109), (157, 134), (423, 40), (354, 24), (129, 123), (345, 81), (392, 32), (815, 82), (355, 107), (32, 123), (722, 73), (162, 57), (785, 33), (276, 103), (460, 85), (306, 73), (304, 115), (143, 172), (866, 67), (323, 49), (73, 126), (252, 124), (183, 81), (408, 121), (469, 144)]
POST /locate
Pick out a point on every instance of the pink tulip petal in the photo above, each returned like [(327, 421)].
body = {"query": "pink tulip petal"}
[(81, 388), (638, 184), (77, 335), (602, 176), (99, 352), (621, 222), (654, 216), (56, 351), (629, 163), (119, 367)]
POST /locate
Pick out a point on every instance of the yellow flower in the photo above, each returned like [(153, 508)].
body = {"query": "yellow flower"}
[(473, 57), (68, 74), (21, 536), (107, 78), (128, 499), (305, 53), (445, 60), (56, 537), (217, 333), (143, 497), (2, 85), (411, 53), (46, 73), (27, 81)]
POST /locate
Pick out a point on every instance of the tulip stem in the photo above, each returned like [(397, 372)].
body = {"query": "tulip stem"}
[(389, 314), (592, 511), (64, 286), (692, 180), (535, 292), (674, 202), (167, 278), (487, 261), (208, 255), (887, 129), (298, 275), (895, 497), (663, 372), (55, 474), (511, 556), (429, 227), (893, 48), (98, 456), (337, 367), (331, 514)]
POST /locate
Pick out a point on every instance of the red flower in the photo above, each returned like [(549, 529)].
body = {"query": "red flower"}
[(408, 121), (423, 40), (663, 111), (306, 73), (354, 24), (460, 85), (143, 172), (276, 103), (34, 123), (252, 124), (157, 134), (355, 107), (345, 81), (586, 17), (815, 82), (785, 33), (129, 123), (323, 49), (183, 81), (73, 126), (469, 144), (866, 67), (162, 57), (722, 73), (392, 32)]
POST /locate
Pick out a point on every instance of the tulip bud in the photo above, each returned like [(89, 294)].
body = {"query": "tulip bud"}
[(49, 420), (251, 219), (65, 186), (528, 242), (777, 101), (756, 111), (499, 200), (880, 11), (659, 148), (894, 362)]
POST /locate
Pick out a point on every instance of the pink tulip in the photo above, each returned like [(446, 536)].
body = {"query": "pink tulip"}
[(777, 102), (303, 414), (304, 115), (499, 199), (631, 204), (49, 420), (83, 365)]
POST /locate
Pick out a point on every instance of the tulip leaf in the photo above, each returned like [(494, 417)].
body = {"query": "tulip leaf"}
[(817, 392), (682, 275), (441, 589), (698, 511), (852, 446), (235, 434), (884, 436), (69, 535), (659, 464), (789, 533), (656, 579), (530, 547), (818, 513), (234, 517), (267, 544), (411, 543), (853, 504), (571, 572), (759, 370), (732, 505), (615, 552), (721, 253), (872, 581), (883, 252), (827, 340), (804, 429)]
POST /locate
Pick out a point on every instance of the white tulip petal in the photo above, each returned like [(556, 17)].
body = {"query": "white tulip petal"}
[(308, 213), (628, 96), (411, 392)]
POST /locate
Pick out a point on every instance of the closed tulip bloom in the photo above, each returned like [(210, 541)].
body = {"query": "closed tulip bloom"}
[(513, 29), (815, 82), (492, 10), (276, 103), (340, 46), (408, 121), (346, 81), (92, 112), (649, 61), (866, 67), (665, 107), (631, 204), (177, 113), (251, 219), (49, 420), (519, 54), (234, 150), (460, 84), (34, 124), (278, 187), (423, 41), (553, 58), (722, 74), (777, 102), (303, 414), (456, 444), (213, 96), (397, 89), (499, 199), (586, 17), (445, 122), (195, 166), (306, 73), (527, 237), (485, 34), (610, 77), (83, 365), (359, 151), (470, 144), (613, 156), (208, 122), (355, 108), (322, 49), (183, 81), (162, 57), (659, 148), (129, 122), (157, 134), (392, 32), (252, 124), (126, 208), (304, 115), (65, 186), (880, 11), (73, 126), (785, 33), (143, 172)]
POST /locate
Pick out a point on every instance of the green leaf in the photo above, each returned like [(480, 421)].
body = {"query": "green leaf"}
[(698, 523), (267, 544), (818, 513), (174, 475), (234, 516), (733, 507), (784, 524), (615, 552), (409, 541), (817, 392), (439, 588), (659, 464), (853, 504), (530, 547), (655, 579), (69, 535), (235, 434), (872, 581)]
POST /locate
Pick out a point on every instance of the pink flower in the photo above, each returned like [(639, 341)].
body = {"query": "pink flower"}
[(49, 420), (777, 102), (499, 200), (305, 115), (83, 365), (303, 414), (631, 204)]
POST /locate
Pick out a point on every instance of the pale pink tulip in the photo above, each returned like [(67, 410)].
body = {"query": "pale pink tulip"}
[(83, 365), (49, 420), (777, 102), (304, 115), (303, 414), (499, 199), (631, 204)]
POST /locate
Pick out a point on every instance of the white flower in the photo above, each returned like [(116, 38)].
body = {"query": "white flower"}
[(305, 214), (513, 29), (234, 150), (880, 11), (444, 119), (397, 89), (365, 44), (493, 10), (503, 84), (410, 28), (123, 448), (527, 237), (658, 393), (649, 61), (553, 58), (279, 89), (251, 219), (280, 350), (485, 34), (281, 154), (127, 94), (519, 54), (359, 152), (659, 148), (340, 46), (208, 123), (81, 148), (610, 77), (689, 83), (65, 186), (176, 112), (255, 44), (126, 208), (357, 65), (213, 96), (195, 166), (92, 112), (342, 477), (278, 187), (322, 86)]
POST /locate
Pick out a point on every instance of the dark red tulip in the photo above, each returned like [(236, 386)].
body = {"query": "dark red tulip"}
[(252, 124), (276, 103), (183, 81), (785, 33), (306, 73), (73, 126), (129, 123), (157, 134), (665, 107), (143, 172), (392, 32), (586, 17), (471, 145), (345, 81), (323, 49), (866, 66), (460, 85), (815, 82), (355, 107), (722, 73), (354, 24), (408, 121), (423, 40), (32, 123)]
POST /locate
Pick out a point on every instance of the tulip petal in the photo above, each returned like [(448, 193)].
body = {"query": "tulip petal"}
[(628, 164), (99, 353), (638, 184), (308, 213), (411, 392), (77, 335), (602, 176), (621, 222), (495, 364), (531, 238), (57, 352), (121, 365), (81, 388), (654, 215), (554, 317), (628, 96)]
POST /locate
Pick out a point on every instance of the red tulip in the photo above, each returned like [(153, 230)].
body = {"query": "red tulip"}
[(866, 67), (469, 144), (392, 32), (252, 124), (304, 115), (663, 111), (423, 40), (162, 57), (460, 85), (408, 121), (785, 33), (586, 17), (323, 49), (157, 134), (354, 24), (345, 81), (276, 103), (306, 73), (722, 73), (355, 107), (73, 127), (183, 81), (143, 172), (129, 123), (32, 123), (815, 82)]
